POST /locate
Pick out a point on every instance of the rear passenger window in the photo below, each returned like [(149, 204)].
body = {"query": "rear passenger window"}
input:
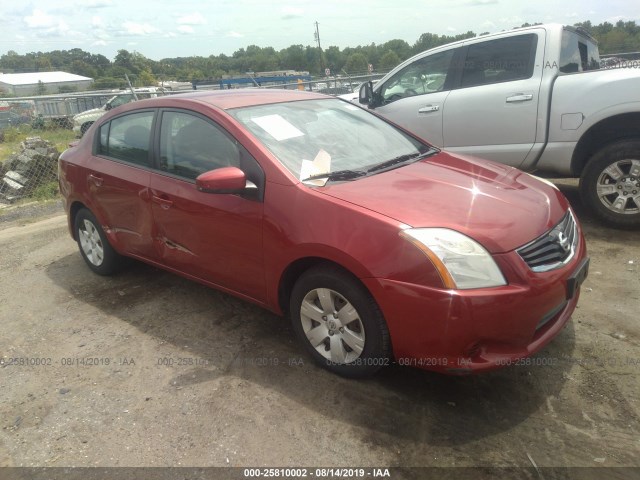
[(127, 138), (496, 61)]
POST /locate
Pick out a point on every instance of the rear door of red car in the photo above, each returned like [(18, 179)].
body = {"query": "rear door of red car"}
[(118, 178), (214, 237)]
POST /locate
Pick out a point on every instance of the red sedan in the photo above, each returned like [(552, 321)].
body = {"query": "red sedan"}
[(379, 247)]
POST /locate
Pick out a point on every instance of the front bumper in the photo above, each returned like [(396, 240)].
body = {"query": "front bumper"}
[(469, 331)]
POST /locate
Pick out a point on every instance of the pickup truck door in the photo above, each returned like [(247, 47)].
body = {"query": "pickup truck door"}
[(414, 96), (493, 112)]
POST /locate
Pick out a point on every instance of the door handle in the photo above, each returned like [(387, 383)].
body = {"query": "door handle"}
[(97, 181), (164, 203), (429, 108), (519, 97)]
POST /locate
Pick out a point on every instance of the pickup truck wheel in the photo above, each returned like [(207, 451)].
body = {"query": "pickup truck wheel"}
[(610, 184), (85, 127), (339, 323), (94, 246)]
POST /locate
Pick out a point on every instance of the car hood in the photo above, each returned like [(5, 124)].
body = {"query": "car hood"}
[(499, 206)]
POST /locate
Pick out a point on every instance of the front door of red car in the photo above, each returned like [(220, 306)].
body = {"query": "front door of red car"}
[(118, 182), (214, 237)]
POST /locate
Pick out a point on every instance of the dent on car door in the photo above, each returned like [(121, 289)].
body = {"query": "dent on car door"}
[(215, 237), (415, 96), (493, 111), (118, 181)]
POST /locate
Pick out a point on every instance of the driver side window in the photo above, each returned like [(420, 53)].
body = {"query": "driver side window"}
[(425, 75), (190, 146)]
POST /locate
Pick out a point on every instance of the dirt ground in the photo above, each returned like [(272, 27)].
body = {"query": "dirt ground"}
[(148, 369)]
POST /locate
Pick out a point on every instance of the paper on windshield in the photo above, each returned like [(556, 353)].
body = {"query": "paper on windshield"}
[(320, 164), (277, 127)]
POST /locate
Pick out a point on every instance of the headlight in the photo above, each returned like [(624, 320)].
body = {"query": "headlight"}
[(462, 262)]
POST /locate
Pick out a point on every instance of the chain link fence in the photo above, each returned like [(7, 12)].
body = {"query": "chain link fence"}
[(31, 172), (28, 161)]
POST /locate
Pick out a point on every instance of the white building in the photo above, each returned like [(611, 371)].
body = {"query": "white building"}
[(26, 84)]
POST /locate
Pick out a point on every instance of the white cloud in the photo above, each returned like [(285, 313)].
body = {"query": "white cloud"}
[(47, 25), (192, 19), (235, 35), (97, 3), (451, 29), (99, 43), (40, 19), (615, 19), (291, 12), (185, 29), (513, 21), (97, 21), (481, 2), (132, 28)]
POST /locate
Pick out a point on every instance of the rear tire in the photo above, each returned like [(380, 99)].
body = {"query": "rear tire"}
[(94, 246), (339, 323), (610, 184)]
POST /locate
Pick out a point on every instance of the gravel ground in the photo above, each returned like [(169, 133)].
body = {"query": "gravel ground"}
[(149, 369)]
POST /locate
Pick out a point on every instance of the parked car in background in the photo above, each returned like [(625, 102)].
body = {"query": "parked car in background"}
[(82, 121), (378, 246), (534, 98)]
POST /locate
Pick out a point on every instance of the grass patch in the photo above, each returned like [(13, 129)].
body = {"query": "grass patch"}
[(60, 137), (46, 191)]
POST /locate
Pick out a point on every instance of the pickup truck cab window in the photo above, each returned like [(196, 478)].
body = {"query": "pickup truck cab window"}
[(502, 60), (425, 75), (577, 55)]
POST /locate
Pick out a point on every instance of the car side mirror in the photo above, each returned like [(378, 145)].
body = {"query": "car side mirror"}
[(224, 180), (366, 93)]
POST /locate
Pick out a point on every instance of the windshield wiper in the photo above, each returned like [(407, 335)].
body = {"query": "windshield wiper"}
[(401, 159), (337, 175)]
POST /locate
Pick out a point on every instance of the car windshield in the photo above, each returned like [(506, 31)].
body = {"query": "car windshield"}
[(315, 137)]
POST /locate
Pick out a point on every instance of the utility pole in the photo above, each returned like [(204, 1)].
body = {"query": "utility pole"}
[(317, 37)]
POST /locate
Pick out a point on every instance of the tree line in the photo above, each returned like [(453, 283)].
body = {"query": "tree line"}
[(619, 38)]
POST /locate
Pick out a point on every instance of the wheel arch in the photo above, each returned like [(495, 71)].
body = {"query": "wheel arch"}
[(73, 212), (294, 271), (620, 127)]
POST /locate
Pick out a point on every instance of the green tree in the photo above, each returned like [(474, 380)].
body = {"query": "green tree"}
[(401, 48), (356, 63), (41, 89), (389, 61)]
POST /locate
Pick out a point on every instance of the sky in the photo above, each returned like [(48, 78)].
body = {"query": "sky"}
[(181, 28)]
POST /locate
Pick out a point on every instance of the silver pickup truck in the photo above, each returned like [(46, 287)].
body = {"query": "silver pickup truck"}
[(535, 98)]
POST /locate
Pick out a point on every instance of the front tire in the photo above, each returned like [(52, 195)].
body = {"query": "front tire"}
[(94, 246), (610, 184), (339, 323)]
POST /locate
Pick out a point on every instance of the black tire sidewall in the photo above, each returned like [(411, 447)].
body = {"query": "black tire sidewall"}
[(112, 260), (375, 354), (623, 150)]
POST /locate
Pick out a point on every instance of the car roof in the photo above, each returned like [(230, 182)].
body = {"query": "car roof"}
[(227, 99)]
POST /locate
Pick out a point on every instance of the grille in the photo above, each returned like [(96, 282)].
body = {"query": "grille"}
[(553, 249)]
